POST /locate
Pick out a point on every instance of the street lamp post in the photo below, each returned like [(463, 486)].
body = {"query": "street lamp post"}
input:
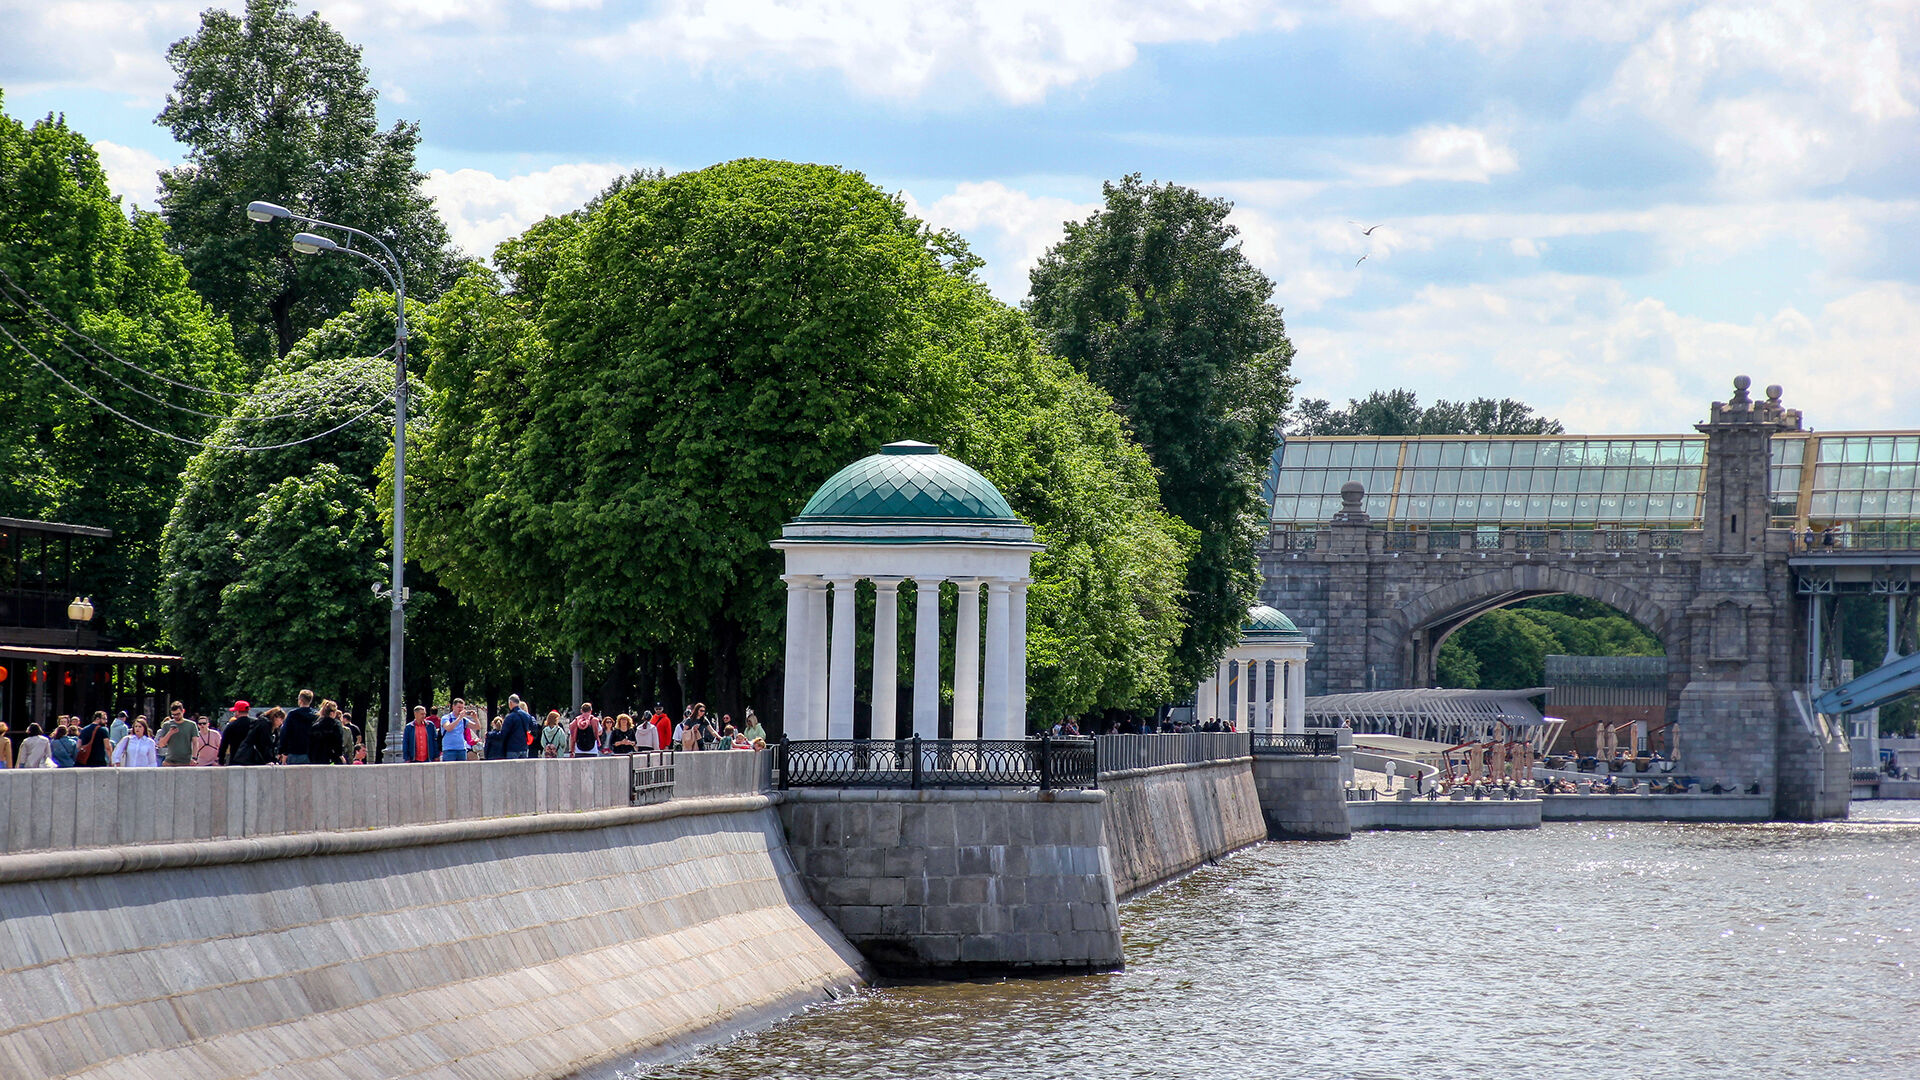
[(313, 244)]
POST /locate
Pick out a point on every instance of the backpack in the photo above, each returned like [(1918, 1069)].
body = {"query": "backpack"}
[(325, 742)]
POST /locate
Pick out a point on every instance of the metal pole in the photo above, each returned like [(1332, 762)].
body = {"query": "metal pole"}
[(579, 680), (1893, 633), (397, 619)]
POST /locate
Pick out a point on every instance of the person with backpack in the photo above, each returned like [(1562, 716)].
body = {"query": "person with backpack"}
[(262, 745), (553, 736), (585, 732), (240, 724)]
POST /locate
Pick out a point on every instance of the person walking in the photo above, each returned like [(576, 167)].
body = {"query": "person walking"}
[(175, 742), (553, 736), (36, 750), (296, 730), (662, 726), (496, 747), (95, 744), (621, 737), (687, 735), (136, 751), (420, 739), (753, 731), (584, 732), (65, 746), (517, 730), (327, 739), (262, 745), (455, 730), (120, 726), (232, 737), (645, 735)]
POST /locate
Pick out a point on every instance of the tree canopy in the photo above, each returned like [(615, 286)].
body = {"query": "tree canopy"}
[(671, 375), (1507, 648), (1153, 299), (277, 107), (69, 254), (1398, 412)]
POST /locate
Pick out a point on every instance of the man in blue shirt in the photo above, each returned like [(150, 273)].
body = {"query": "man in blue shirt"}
[(516, 729)]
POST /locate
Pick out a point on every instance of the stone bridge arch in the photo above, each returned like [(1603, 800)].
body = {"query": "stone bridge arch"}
[(1415, 628)]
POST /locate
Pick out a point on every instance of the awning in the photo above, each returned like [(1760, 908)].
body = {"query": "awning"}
[(1510, 707), (84, 656)]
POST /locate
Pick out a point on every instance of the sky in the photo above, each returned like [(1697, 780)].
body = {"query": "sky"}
[(1604, 208)]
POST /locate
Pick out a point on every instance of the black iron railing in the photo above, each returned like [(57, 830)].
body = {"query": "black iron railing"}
[(1046, 763), (649, 777), (1300, 744), (1121, 753)]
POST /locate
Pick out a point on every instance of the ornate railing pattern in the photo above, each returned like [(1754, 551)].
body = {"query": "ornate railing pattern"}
[(649, 777), (1120, 753), (1299, 744), (1046, 763)]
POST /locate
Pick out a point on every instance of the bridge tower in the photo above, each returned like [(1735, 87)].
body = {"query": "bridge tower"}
[(1738, 720)]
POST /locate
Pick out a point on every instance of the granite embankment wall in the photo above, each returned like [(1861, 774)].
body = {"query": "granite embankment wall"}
[(1302, 798), (547, 944), (964, 882), (1161, 822)]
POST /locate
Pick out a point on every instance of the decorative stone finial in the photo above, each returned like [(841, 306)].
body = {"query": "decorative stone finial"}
[(1353, 495), (1774, 392), (1740, 384)]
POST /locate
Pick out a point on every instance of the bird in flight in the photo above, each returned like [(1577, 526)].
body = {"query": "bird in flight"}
[(1359, 260), (1364, 232)]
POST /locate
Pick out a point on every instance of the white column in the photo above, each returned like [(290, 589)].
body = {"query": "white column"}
[(926, 659), (966, 662), (886, 655), (816, 660), (840, 677), (1297, 697), (797, 724), (1017, 660), (993, 698), (1202, 695), (1223, 686), (1258, 668)]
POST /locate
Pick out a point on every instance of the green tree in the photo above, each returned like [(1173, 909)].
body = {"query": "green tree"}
[(275, 106), (1153, 299), (240, 571), (1456, 667), (1506, 649), (70, 255), (1398, 412), (670, 376)]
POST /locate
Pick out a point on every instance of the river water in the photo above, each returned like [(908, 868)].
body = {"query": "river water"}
[(1611, 950)]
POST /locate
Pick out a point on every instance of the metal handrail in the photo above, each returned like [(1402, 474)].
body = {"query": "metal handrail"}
[(1123, 753), (649, 777), (1295, 744), (914, 763)]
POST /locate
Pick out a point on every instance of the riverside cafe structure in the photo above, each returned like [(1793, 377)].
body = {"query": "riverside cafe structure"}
[(53, 659)]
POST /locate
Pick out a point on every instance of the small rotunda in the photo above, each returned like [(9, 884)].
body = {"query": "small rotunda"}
[(1266, 673), (907, 513)]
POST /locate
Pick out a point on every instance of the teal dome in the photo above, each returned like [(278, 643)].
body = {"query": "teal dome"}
[(907, 481), (1269, 624)]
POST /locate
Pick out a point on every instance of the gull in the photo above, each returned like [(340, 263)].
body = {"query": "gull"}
[(1359, 260), (1364, 232)]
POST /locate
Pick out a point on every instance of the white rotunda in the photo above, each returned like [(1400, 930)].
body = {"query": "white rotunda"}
[(1266, 673), (907, 514)]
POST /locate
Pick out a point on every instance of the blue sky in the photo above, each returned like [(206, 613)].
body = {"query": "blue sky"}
[(1605, 209)]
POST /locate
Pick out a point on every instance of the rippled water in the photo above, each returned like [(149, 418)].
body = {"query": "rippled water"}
[(1611, 950)]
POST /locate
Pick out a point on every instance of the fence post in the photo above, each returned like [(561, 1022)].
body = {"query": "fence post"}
[(915, 783), (782, 756), (1046, 761)]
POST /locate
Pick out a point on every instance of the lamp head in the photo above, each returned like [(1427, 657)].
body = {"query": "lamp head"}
[(266, 211), (81, 610), (307, 243)]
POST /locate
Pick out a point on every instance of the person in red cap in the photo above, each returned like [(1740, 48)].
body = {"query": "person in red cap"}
[(235, 733)]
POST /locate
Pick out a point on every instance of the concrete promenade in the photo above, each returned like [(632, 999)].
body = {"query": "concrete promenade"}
[(544, 944)]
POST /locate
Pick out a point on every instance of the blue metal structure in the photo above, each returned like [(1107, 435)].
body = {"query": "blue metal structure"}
[(1874, 689)]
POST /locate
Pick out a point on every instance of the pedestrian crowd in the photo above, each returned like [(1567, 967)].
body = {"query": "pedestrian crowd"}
[(325, 734)]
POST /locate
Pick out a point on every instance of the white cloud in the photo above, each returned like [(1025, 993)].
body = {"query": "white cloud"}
[(1443, 152), (131, 173), (482, 209), (1009, 228), (1601, 359), (1018, 49)]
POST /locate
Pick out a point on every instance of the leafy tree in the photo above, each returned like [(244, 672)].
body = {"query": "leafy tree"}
[(1506, 649), (1152, 298), (250, 599), (1398, 412), (69, 254), (672, 374), (275, 106), (1456, 667)]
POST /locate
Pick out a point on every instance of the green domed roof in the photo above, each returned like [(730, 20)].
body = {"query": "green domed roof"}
[(1265, 622), (908, 481)]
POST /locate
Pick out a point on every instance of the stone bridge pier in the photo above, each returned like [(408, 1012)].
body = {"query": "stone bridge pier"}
[(1721, 598)]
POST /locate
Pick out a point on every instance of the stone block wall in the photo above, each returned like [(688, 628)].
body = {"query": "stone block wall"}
[(1164, 821), (1302, 798), (960, 882), (518, 947)]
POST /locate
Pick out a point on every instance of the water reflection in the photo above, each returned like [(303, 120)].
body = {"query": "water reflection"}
[(1581, 950)]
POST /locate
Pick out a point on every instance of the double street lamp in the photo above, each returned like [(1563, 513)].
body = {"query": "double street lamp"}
[(308, 243)]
